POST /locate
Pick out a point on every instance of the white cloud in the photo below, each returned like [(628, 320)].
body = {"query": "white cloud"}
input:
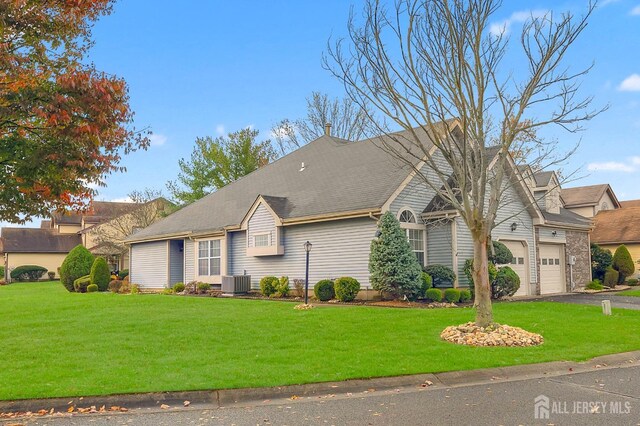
[(157, 139), (630, 166), (630, 84), (635, 11), (220, 130), (122, 200), (635, 160), (498, 28), (607, 2)]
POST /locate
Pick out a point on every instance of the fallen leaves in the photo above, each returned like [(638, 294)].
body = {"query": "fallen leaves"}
[(69, 411)]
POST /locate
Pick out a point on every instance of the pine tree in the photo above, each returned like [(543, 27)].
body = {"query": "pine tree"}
[(623, 263), (393, 266)]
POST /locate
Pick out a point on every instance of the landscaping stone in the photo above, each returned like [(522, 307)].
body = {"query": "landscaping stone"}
[(495, 335), (302, 306)]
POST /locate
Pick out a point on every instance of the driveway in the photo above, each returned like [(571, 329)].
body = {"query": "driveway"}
[(624, 302)]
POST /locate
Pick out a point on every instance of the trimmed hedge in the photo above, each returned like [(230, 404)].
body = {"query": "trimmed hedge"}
[(92, 288), (77, 264), (501, 254), (324, 290), (80, 285), (178, 287), (506, 284), (268, 285), (426, 282), (434, 295), (611, 277), (346, 289), (28, 273), (452, 295), (100, 274), (441, 275), (465, 295), (623, 263)]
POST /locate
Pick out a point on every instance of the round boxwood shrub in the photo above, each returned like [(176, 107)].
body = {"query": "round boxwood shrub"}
[(80, 285), (324, 290), (92, 288), (465, 295), (346, 289), (632, 282), (28, 273), (268, 285), (434, 295), (100, 274), (77, 264), (452, 295), (441, 275), (178, 287), (506, 284), (611, 277)]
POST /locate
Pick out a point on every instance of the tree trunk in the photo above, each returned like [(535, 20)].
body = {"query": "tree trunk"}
[(482, 302)]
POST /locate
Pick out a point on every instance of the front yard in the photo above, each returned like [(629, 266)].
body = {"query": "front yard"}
[(56, 343), (634, 293)]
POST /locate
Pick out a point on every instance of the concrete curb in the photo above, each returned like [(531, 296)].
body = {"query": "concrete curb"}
[(228, 397)]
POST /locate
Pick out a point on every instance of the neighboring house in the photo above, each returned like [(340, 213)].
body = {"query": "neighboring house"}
[(587, 201), (620, 226), (331, 192), (48, 245)]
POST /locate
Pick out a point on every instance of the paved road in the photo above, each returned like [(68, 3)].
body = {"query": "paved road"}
[(625, 302), (598, 397)]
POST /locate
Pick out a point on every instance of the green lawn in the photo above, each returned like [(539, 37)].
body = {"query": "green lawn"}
[(634, 293), (56, 343)]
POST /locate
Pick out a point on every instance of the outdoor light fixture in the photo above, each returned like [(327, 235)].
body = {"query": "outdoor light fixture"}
[(554, 233), (378, 233), (514, 226), (307, 249)]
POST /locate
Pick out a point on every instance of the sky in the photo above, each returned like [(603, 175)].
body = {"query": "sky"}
[(206, 68)]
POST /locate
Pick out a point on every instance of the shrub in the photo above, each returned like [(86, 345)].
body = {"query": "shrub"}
[(594, 285), (114, 286), (442, 276), (2, 272), (425, 284), (122, 274), (135, 288), (125, 288), (623, 263), (501, 254), (611, 277), (100, 274), (601, 259), (282, 287), (178, 287), (51, 274), (346, 289), (506, 284), (80, 285), (203, 287), (393, 266), (167, 291), (452, 295), (268, 285), (465, 295), (468, 272), (434, 295), (92, 288), (324, 290), (77, 264), (28, 273), (633, 282)]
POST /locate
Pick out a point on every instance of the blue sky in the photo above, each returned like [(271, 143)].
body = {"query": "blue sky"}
[(198, 68)]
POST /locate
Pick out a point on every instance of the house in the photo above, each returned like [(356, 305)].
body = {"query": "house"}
[(48, 245), (331, 193), (620, 226), (587, 201)]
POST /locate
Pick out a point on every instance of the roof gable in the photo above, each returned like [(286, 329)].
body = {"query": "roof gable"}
[(617, 226), (583, 196)]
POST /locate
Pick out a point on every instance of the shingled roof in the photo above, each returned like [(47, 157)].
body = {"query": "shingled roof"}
[(619, 226), (326, 176), (630, 203), (582, 196), (99, 211), (37, 240)]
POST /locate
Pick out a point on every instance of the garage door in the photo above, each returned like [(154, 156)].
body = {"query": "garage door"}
[(552, 271), (520, 264)]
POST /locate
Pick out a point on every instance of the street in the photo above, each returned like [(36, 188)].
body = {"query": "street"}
[(599, 397)]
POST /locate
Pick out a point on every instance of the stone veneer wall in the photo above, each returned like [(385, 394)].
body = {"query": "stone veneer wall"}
[(536, 280), (578, 245)]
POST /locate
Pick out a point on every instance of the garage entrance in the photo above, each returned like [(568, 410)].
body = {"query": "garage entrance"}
[(520, 264), (552, 269)]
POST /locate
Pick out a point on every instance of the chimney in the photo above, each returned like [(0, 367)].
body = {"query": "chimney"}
[(327, 129)]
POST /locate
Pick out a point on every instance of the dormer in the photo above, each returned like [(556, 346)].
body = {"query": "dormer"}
[(264, 227), (547, 191)]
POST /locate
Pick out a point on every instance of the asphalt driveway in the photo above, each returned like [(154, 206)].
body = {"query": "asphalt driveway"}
[(624, 302)]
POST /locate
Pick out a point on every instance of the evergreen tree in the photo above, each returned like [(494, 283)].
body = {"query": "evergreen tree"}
[(623, 263), (601, 259), (393, 266)]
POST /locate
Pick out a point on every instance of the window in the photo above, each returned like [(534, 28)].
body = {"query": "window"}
[(209, 258), (605, 206), (407, 217), (415, 233), (261, 240), (544, 260)]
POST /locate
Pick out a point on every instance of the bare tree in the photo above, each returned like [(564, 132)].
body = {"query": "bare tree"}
[(347, 118), (437, 67)]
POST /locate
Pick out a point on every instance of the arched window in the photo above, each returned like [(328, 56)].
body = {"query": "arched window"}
[(415, 233)]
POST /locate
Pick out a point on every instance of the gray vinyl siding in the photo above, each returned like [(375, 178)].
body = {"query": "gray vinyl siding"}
[(340, 248), (546, 235), (465, 249), (261, 222), (149, 264), (541, 199), (189, 261), (176, 262), (439, 243)]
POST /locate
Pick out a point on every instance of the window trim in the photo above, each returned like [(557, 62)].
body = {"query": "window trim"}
[(222, 257), (262, 234), (415, 226)]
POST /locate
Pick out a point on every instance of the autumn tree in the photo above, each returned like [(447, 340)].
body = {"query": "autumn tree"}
[(148, 206), (348, 121), (63, 124), (436, 70), (217, 162)]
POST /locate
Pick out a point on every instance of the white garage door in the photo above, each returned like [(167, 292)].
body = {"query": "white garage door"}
[(552, 271), (520, 264)]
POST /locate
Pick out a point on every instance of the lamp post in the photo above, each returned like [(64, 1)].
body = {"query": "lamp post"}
[(307, 249)]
